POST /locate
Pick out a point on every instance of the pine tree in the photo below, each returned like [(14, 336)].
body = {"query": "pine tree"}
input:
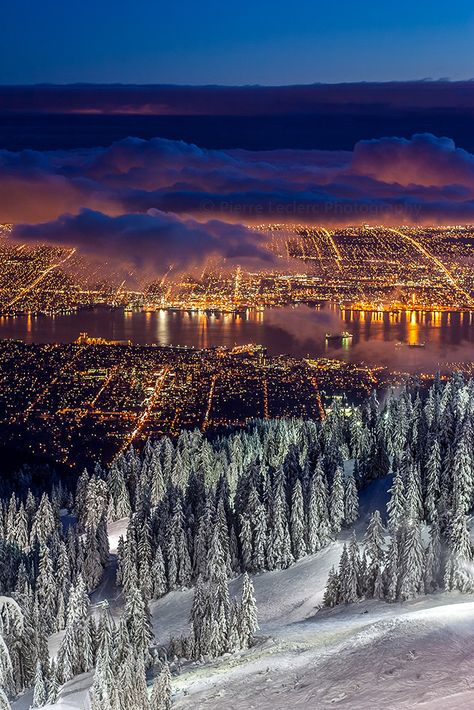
[(437, 554), (19, 534), (104, 695), (259, 539), (103, 542), (347, 578), (397, 504), (351, 500), (463, 477), (81, 493), (379, 591), (279, 552), (332, 591), (245, 535), (119, 502), (297, 522), (145, 582), (412, 573), (220, 614), (233, 638), (375, 550), (161, 693), (92, 568), (413, 500), (44, 522), (75, 653), (199, 611), (128, 561), (459, 573), (314, 541), (433, 477), (391, 572), (157, 488), (158, 579), (40, 694), (46, 589), (139, 623), (11, 623), (248, 623), (337, 501), (53, 686)]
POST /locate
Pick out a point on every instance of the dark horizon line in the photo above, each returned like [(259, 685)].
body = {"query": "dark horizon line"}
[(212, 85)]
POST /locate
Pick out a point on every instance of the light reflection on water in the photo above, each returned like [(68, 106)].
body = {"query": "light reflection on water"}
[(296, 331)]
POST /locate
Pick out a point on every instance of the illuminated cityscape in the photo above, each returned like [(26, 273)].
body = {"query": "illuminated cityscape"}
[(359, 268), (236, 356), (88, 401)]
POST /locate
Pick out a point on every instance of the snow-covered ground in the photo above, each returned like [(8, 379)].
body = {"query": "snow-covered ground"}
[(365, 656)]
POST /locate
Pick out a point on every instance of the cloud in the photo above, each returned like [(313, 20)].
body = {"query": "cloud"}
[(160, 201), (424, 160), (307, 326), (153, 241)]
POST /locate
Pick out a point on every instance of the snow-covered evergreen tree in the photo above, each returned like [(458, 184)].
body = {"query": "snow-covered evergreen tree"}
[(351, 500), (247, 623), (459, 573), (396, 507), (297, 522), (161, 693), (40, 693), (336, 508), (413, 562)]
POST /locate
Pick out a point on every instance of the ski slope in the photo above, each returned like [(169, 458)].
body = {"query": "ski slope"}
[(364, 656)]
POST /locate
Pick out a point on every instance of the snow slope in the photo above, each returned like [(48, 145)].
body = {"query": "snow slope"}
[(365, 656)]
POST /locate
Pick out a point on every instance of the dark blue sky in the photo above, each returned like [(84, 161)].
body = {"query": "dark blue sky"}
[(235, 42)]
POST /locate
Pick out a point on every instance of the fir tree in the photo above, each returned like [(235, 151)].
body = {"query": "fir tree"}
[(459, 573), (351, 500), (347, 578), (158, 579), (161, 693), (139, 623), (337, 501), (332, 591), (397, 504), (412, 573), (433, 477), (391, 572), (297, 522), (375, 550), (248, 623), (40, 694)]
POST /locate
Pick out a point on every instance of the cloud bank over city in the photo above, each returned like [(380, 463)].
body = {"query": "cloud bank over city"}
[(160, 199), (149, 241)]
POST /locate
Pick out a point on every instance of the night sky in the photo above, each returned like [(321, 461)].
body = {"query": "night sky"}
[(264, 42), (196, 119)]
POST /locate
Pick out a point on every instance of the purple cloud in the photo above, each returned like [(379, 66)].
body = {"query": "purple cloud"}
[(162, 201), (423, 160), (154, 241)]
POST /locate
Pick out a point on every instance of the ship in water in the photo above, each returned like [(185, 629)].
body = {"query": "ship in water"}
[(416, 345), (332, 337)]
